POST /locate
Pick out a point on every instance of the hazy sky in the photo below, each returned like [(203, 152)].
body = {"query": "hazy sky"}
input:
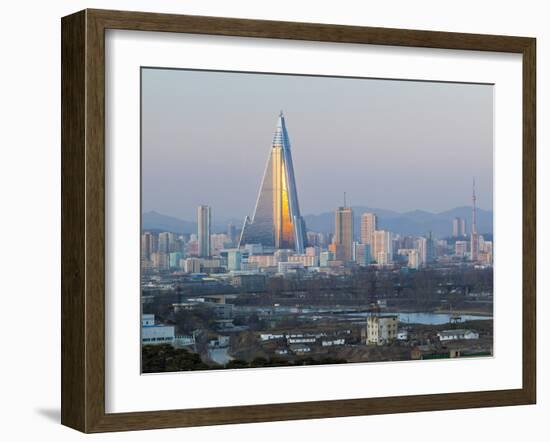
[(398, 145)]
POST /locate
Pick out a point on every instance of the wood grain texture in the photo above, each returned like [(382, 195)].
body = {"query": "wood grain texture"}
[(83, 220), (73, 128)]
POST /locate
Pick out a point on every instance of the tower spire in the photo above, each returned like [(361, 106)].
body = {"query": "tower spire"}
[(277, 221)]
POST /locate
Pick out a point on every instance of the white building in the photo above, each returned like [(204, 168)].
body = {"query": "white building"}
[(154, 334), (192, 265), (422, 247), (382, 247), (461, 248), (285, 267), (454, 335), (305, 260), (382, 329), (331, 343)]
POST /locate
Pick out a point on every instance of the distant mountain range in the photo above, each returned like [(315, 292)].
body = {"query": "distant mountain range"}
[(417, 222)]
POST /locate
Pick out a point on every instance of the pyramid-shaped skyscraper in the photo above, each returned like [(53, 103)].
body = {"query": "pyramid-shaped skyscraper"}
[(277, 221)]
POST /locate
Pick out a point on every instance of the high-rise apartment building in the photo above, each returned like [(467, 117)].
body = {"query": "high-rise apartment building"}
[(164, 242), (146, 245), (382, 250), (422, 247), (369, 223), (474, 237), (459, 227), (232, 234), (461, 248), (204, 220), (343, 233)]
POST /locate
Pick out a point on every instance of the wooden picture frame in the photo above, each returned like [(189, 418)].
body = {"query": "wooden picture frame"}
[(83, 220)]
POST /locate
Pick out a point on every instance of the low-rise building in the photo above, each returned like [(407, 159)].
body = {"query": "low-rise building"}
[(333, 342), (299, 349), (457, 334), (155, 334), (285, 267)]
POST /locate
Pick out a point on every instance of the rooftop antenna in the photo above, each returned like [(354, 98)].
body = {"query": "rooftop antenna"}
[(344, 199)]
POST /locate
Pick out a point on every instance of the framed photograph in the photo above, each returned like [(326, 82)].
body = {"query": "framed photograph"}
[(266, 221)]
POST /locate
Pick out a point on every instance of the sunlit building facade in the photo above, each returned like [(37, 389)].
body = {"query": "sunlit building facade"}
[(343, 234), (277, 221), (369, 224)]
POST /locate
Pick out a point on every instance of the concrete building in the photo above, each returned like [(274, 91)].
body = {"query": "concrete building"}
[(263, 261), (369, 224), (204, 219), (234, 259), (458, 334), (250, 282), (461, 249), (155, 334), (459, 228), (160, 261), (474, 236), (192, 265), (362, 254), (382, 250), (285, 267), (413, 260), (324, 258), (175, 258), (146, 245), (305, 260), (422, 247), (382, 329), (343, 233)]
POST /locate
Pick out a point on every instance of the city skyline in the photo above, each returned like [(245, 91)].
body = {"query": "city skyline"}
[(235, 133), (271, 287)]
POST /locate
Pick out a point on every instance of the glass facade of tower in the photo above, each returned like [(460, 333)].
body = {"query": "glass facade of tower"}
[(277, 221)]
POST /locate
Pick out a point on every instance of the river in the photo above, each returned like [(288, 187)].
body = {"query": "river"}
[(429, 318)]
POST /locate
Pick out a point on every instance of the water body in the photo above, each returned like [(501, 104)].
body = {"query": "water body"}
[(220, 355), (436, 318), (429, 318)]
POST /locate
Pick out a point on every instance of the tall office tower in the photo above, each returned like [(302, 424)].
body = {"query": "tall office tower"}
[(369, 223), (164, 242), (430, 251), (172, 237), (277, 221), (422, 247), (343, 233), (146, 245), (382, 250), (459, 227), (231, 233), (204, 219), (474, 237)]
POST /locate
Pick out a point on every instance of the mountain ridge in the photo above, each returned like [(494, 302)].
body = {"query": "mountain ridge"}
[(414, 222)]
